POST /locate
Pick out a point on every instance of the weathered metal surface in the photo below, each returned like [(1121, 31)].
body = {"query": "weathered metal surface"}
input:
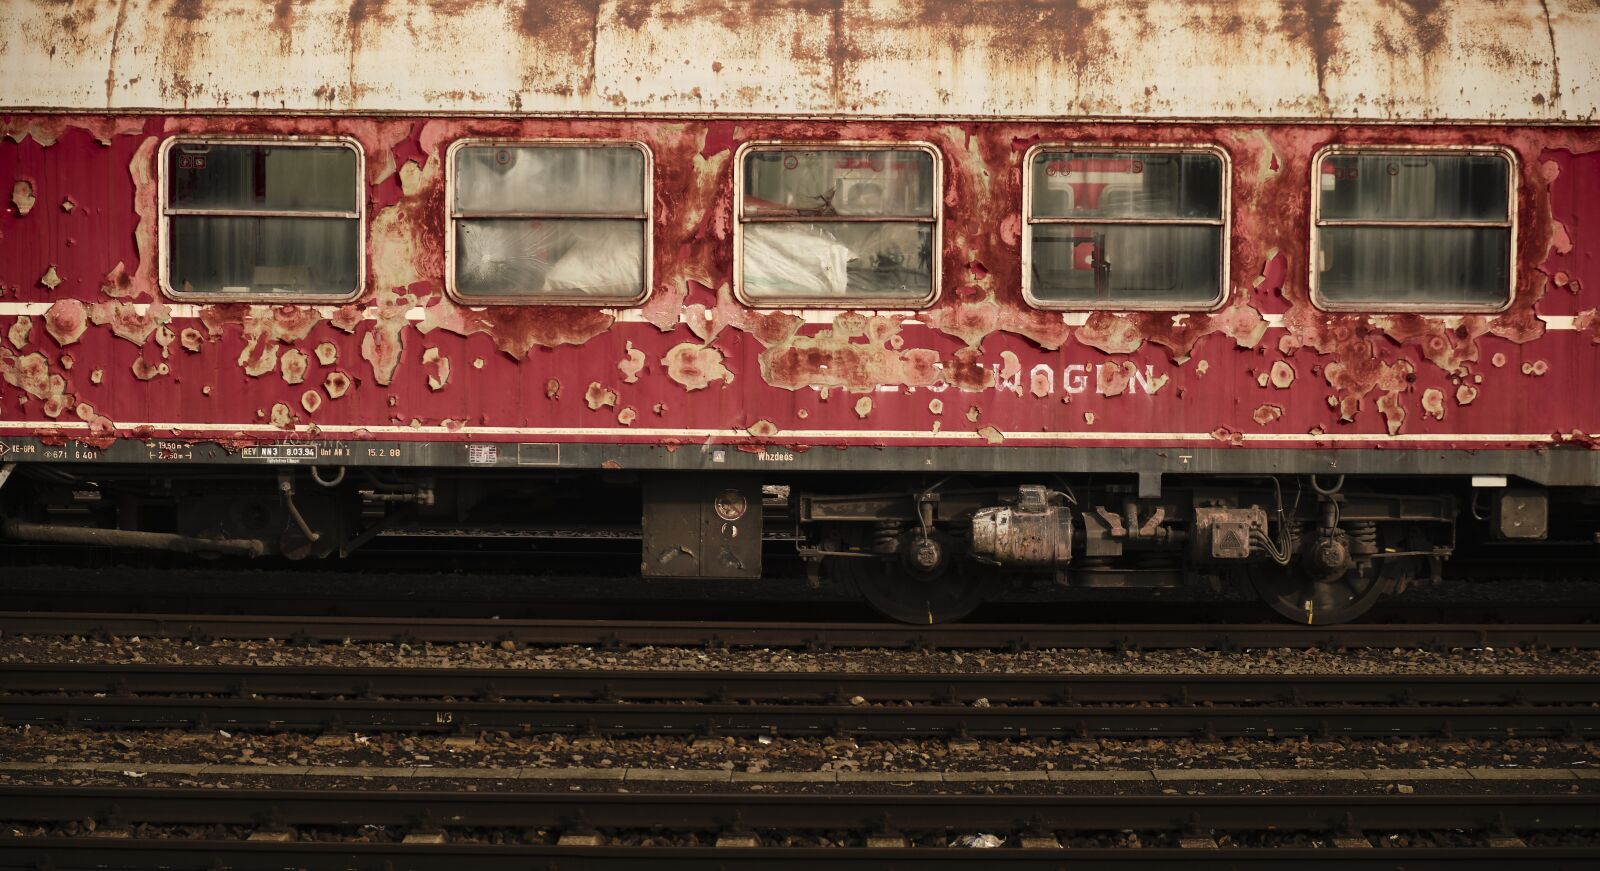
[(1528, 60), (92, 351)]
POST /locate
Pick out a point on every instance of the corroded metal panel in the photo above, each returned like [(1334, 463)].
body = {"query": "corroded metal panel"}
[(91, 350), (1528, 60)]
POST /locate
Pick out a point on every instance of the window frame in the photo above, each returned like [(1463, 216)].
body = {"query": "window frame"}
[(451, 215), (165, 213), (1224, 221), (936, 221), (1314, 258)]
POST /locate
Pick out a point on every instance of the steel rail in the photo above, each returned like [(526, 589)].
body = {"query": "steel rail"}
[(90, 854), (507, 684), (634, 633), (748, 814), (803, 720), (797, 812)]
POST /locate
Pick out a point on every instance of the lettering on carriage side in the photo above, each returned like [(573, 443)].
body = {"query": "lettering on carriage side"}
[(164, 450), (483, 455), (776, 456), (296, 452), (1046, 380)]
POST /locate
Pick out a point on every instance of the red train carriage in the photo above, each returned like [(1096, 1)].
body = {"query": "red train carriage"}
[(1128, 292)]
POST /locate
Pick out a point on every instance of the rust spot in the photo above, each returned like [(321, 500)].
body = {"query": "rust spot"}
[(144, 370), (1433, 403), (118, 284), (327, 353), (1228, 436), (552, 389), (1537, 368), (611, 465), (127, 323), (1587, 321), (631, 364), (1265, 414), (336, 383), (1088, 418), (1111, 333), (1282, 375), (660, 408), (18, 334), (696, 367), (1112, 378), (67, 361), (293, 365), (973, 413), (1465, 394), (1498, 360), (97, 376), (311, 400), (598, 396), (282, 417), (437, 366), (991, 435), (936, 406), (627, 416), (347, 317), (67, 205), (856, 352), (762, 429), (517, 329), (1201, 368), (382, 346), (1394, 413), (22, 196), (863, 406), (51, 279)]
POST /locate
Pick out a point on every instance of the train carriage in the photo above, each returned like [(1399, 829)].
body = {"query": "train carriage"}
[(1295, 296)]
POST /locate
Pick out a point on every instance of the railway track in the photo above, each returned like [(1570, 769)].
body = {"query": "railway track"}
[(799, 704), (249, 829), (801, 635)]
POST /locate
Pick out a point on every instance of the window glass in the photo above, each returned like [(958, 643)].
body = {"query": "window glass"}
[(1133, 263), (1402, 229), (602, 258), (877, 184), (550, 180), (279, 178), (851, 224), (1125, 228), (264, 220), (1458, 265), (554, 222), (1127, 185), (1399, 187)]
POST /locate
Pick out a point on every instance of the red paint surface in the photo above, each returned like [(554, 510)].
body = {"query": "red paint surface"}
[(1354, 374)]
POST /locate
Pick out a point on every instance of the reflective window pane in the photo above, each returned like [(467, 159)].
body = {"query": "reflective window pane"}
[(279, 178), (550, 179), (827, 259), (603, 259), (1411, 265), (1126, 263), (817, 184), (240, 254), (1414, 187), (1083, 184)]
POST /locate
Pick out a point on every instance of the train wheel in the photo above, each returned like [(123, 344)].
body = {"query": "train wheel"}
[(898, 593), (1300, 596)]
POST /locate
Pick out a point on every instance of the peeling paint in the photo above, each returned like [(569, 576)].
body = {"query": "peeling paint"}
[(695, 367), (631, 364), (1265, 414), (22, 196), (598, 396), (51, 279), (20, 329), (293, 365)]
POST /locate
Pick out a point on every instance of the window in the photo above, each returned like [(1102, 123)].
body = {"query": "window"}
[(1400, 229), (1125, 228), (275, 220), (849, 223), (549, 222)]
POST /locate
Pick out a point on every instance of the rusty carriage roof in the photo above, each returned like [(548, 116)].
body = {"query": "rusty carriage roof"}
[(1380, 60)]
